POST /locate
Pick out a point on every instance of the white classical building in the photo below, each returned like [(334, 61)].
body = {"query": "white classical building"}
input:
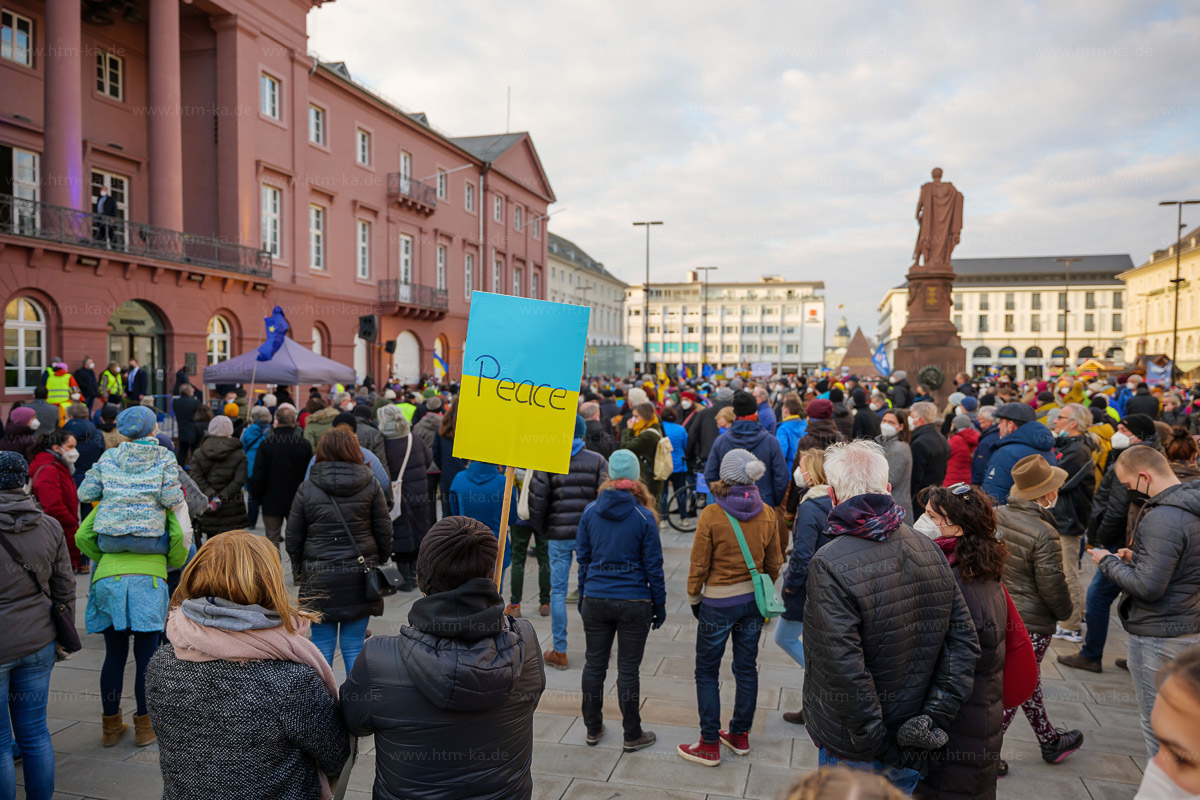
[(768, 320), (1024, 316), (577, 278)]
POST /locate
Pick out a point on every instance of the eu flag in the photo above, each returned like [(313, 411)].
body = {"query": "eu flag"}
[(880, 360), (277, 328)]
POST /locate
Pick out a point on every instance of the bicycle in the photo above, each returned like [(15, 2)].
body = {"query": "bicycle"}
[(684, 505)]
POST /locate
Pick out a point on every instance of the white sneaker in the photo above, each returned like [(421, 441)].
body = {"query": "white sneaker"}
[(1070, 636)]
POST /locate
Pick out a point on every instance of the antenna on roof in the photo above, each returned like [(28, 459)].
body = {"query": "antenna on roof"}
[(508, 112)]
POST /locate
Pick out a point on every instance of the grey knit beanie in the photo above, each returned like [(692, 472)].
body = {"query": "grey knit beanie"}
[(741, 468)]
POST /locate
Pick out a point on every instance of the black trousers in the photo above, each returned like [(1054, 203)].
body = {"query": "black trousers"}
[(628, 621)]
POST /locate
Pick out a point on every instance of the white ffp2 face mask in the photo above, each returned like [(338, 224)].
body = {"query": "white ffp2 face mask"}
[(1120, 441), (888, 430), (798, 475), (928, 527), (34, 424)]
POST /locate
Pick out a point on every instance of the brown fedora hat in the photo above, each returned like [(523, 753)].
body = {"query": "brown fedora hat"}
[(1033, 477)]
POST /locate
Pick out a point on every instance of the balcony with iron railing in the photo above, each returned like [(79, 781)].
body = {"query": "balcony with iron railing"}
[(410, 192), (412, 300), (124, 238)]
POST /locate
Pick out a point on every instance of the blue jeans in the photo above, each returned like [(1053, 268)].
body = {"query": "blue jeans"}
[(561, 553), (743, 623), (351, 635), (902, 778), (26, 684), (1101, 593), (788, 635)]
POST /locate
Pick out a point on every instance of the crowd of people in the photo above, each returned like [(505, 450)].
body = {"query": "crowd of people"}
[(915, 558)]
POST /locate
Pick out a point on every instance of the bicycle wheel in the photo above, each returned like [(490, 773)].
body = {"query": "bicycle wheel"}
[(683, 508)]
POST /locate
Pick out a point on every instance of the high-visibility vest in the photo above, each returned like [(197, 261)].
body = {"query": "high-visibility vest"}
[(407, 409), (109, 383), (58, 389)]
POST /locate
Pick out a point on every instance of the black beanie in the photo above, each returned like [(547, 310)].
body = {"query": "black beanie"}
[(455, 550), (347, 419), (836, 395), (987, 400), (744, 404)]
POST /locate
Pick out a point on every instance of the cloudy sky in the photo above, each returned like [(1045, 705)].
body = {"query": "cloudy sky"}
[(791, 138)]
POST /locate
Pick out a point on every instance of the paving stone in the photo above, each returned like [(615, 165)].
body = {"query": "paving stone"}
[(549, 787), (669, 771), (804, 752), (1104, 790), (550, 727), (1018, 786), (769, 783), (571, 761), (106, 779), (591, 790)]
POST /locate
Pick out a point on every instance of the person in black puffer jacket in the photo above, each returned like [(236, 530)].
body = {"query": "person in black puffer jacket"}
[(968, 766), (888, 636), (450, 700), (219, 468), (325, 563), (279, 470), (842, 417), (417, 506)]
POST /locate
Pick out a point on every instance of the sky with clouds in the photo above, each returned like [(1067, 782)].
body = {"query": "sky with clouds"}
[(791, 138)]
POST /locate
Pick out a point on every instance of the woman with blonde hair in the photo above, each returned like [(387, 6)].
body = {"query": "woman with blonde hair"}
[(840, 783), (243, 704)]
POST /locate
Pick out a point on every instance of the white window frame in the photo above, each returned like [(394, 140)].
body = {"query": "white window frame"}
[(9, 49), (405, 250), (24, 328), (468, 269), (362, 248), (441, 267), (362, 147), (26, 186), (105, 84), (316, 237), (443, 184), (516, 282), (469, 196), (497, 275), (317, 129), (271, 212), (318, 341), (537, 227), (219, 341), (405, 172), (516, 218), (118, 190), (534, 284), (270, 95), (498, 208)]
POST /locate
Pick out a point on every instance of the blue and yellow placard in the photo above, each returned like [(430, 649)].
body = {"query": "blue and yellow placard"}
[(522, 362)]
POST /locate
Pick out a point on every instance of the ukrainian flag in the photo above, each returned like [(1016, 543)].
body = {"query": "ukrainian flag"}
[(522, 363)]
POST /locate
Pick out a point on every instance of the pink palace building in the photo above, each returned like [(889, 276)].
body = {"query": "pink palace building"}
[(241, 174)]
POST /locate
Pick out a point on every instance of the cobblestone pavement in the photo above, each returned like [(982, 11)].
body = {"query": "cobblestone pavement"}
[(1107, 768)]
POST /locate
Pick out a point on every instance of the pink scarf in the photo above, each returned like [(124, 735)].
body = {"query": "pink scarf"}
[(198, 643)]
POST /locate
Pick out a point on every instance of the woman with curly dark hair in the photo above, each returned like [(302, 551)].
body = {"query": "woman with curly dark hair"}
[(960, 520)]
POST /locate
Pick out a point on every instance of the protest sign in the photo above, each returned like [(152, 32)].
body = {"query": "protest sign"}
[(761, 369)]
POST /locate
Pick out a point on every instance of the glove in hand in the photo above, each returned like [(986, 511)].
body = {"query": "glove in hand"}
[(660, 616), (918, 733)]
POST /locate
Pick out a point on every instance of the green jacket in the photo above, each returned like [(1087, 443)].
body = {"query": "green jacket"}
[(110, 564)]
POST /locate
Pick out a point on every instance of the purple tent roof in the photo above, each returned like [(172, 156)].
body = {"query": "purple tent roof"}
[(292, 365)]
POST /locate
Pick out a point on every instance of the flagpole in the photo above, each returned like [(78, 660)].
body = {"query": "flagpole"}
[(253, 375)]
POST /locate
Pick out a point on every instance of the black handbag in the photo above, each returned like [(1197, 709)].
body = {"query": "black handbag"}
[(382, 580), (61, 615)]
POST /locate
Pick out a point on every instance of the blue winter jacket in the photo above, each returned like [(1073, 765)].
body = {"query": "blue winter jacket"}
[(88, 442), (251, 438), (749, 435), (478, 492), (808, 536), (983, 453), (619, 551), (677, 434), (766, 418), (1032, 438), (789, 433)]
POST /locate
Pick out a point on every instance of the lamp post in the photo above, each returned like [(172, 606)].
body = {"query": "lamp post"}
[(646, 299), (704, 318), (1179, 204), (1066, 308)]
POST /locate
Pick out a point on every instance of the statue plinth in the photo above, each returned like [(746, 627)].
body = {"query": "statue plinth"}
[(929, 337)]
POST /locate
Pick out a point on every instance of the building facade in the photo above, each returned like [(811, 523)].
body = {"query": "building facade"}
[(772, 320), (1152, 326), (243, 173), (578, 279), (1024, 317)]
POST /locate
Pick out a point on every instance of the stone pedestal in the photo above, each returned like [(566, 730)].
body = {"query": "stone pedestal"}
[(929, 337)]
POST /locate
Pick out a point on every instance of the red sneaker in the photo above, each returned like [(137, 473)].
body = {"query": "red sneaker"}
[(702, 753), (737, 742)]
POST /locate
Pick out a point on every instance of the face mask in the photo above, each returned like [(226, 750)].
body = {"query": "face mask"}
[(912, 424), (876, 406), (34, 424), (1060, 435), (685, 404), (71, 456), (1053, 503), (1120, 441), (888, 430), (960, 411), (928, 527), (798, 475)]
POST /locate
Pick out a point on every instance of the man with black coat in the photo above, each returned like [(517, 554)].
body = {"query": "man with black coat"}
[(594, 437), (1159, 574), (85, 378), (279, 467), (930, 451), (902, 393), (608, 410), (1073, 451), (184, 407), (889, 642), (866, 421), (703, 430), (451, 698), (1143, 402)]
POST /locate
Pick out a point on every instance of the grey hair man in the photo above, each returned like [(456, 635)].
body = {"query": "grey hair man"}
[(930, 450), (1073, 451), (889, 643)]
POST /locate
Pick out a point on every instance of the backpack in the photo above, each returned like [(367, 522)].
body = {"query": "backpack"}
[(664, 463)]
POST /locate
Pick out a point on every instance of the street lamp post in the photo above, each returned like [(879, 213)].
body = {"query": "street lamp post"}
[(646, 299), (1179, 204), (1066, 307), (704, 318)]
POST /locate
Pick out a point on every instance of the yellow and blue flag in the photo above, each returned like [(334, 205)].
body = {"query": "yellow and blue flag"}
[(522, 363)]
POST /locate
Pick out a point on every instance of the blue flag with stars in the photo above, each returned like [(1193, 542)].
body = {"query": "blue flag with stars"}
[(880, 360), (277, 328)]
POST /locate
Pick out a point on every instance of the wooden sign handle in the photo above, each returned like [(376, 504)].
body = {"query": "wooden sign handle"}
[(510, 474)]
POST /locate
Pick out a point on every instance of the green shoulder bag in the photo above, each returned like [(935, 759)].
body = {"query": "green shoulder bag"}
[(765, 597)]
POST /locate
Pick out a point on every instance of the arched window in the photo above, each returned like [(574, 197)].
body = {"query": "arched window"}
[(1117, 354), (1087, 352), (1059, 352), (1033, 352), (318, 346), (982, 352), (1008, 352), (219, 340), (24, 344)]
